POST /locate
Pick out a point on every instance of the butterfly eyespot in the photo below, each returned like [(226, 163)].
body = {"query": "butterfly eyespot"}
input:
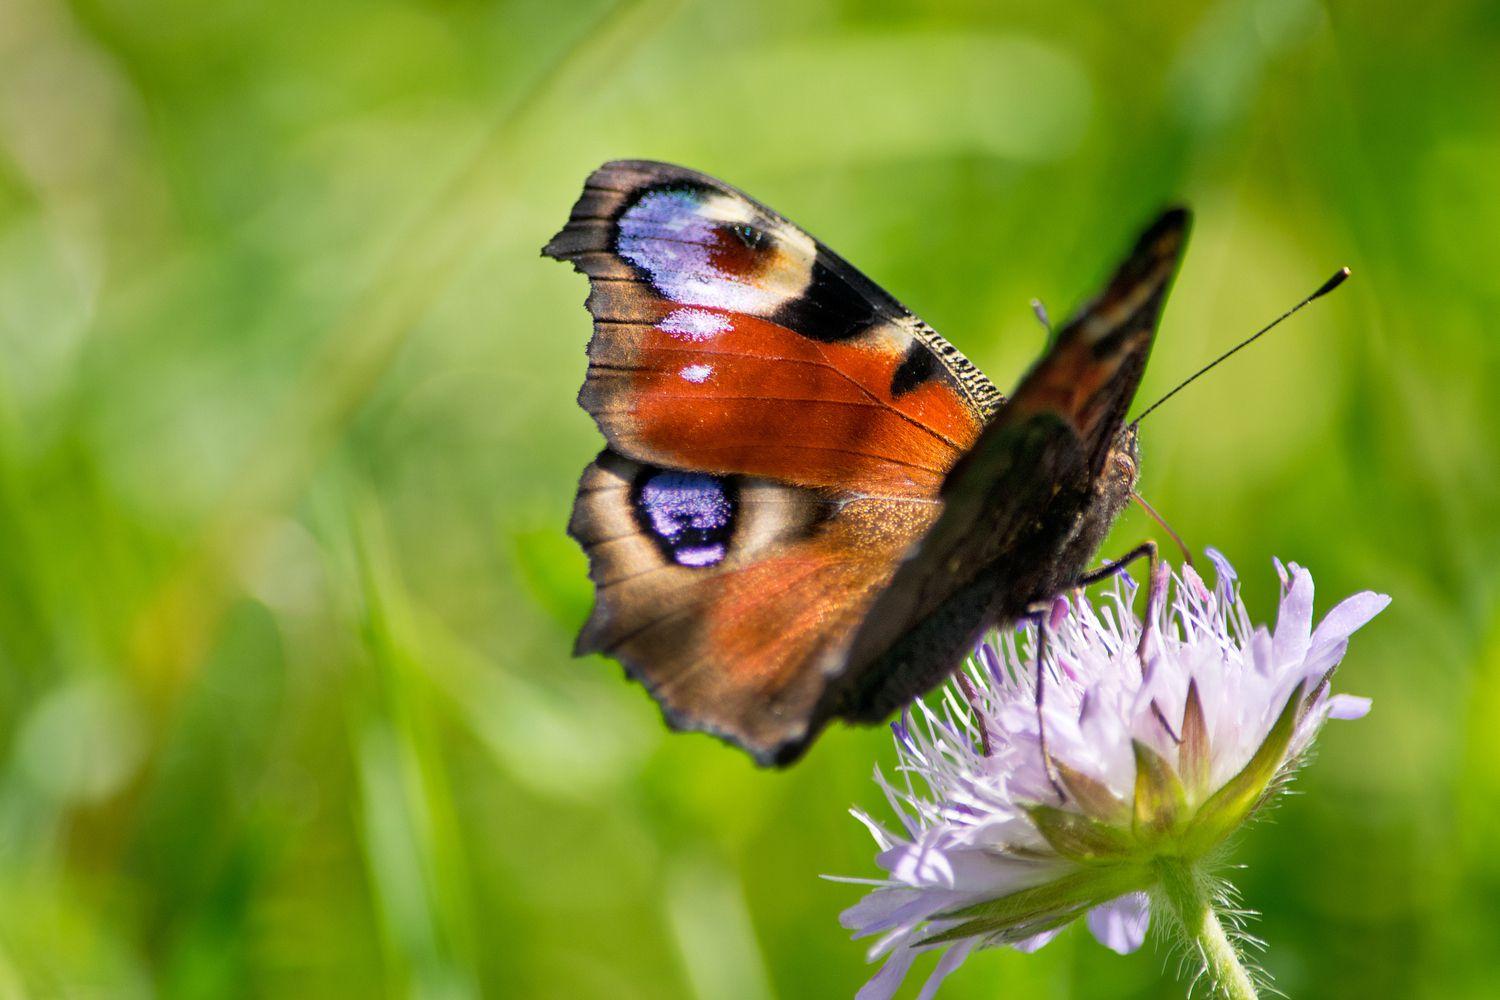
[(690, 515)]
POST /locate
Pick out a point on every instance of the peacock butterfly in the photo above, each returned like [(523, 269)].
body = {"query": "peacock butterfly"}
[(810, 505)]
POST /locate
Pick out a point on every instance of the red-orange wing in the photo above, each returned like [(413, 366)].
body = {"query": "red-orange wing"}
[(778, 430), (727, 340)]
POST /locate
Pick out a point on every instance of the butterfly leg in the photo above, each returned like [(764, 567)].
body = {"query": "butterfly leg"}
[(1039, 617), (1146, 549), (1154, 594)]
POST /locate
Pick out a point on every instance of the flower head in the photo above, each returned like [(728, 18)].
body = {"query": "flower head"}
[(1150, 755)]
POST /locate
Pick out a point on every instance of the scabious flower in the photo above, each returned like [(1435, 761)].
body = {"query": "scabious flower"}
[(1150, 756)]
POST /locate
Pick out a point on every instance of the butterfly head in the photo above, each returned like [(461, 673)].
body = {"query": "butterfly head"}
[(1121, 469), (1125, 456)]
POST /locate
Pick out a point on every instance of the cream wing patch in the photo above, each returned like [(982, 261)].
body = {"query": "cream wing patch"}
[(681, 238)]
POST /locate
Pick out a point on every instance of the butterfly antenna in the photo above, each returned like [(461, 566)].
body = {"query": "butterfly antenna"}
[(1187, 555), (1324, 289)]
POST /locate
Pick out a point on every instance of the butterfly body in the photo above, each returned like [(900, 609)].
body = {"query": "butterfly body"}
[(810, 504), (1032, 560)]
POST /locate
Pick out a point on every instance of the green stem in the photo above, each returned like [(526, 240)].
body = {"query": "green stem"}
[(1186, 891)]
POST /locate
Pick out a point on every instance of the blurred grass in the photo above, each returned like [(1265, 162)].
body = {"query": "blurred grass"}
[(287, 443)]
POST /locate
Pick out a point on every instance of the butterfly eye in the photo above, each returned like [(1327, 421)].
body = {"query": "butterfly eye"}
[(753, 238)]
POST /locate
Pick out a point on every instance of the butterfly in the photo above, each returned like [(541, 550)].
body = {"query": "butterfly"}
[(810, 505)]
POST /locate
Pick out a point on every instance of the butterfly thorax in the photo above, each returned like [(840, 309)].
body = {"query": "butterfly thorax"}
[(1027, 560), (1109, 496)]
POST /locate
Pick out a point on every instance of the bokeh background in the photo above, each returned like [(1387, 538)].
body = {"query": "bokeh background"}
[(288, 442)]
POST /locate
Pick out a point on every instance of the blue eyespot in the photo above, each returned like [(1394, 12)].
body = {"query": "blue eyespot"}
[(690, 514)]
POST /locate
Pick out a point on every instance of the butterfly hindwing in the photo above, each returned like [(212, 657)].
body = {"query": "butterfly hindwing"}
[(718, 592)]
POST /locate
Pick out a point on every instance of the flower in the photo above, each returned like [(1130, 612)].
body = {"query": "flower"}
[(1155, 753)]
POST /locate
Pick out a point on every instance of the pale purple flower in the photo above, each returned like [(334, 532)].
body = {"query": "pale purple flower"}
[(992, 848)]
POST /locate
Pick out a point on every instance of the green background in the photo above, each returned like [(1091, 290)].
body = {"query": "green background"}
[(288, 442)]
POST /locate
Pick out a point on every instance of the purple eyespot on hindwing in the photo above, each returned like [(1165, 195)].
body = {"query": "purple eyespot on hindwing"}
[(689, 514)]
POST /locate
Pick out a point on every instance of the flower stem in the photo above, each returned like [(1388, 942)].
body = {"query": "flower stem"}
[(1186, 891)]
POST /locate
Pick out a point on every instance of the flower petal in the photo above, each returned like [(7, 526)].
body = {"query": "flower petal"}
[(1322, 659), (883, 837), (1262, 651), (1294, 619), (1221, 565), (1194, 581), (1037, 941), (920, 864), (884, 984), (1348, 706), (969, 869), (884, 908), (1120, 925), (991, 662), (1348, 617), (952, 959)]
